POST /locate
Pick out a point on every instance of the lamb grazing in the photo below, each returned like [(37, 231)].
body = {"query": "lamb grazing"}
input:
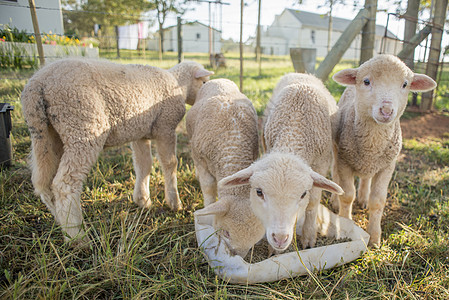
[(222, 126), (368, 134), (297, 135), (74, 108)]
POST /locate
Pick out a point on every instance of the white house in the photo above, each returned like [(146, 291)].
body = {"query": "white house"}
[(195, 38), (295, 28), (16, 13)]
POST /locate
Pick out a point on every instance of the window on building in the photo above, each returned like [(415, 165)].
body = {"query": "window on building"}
[(198, 36), (312, 36)]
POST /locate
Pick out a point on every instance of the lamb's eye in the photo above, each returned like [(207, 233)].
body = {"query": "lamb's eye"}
[(303, 195), (259, 193), (366, 81), (404, 85)]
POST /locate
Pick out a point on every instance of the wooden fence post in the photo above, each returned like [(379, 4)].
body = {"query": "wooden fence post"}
[(179, 40), (37, 32), (241, 45), (117, 38), (435, 51)]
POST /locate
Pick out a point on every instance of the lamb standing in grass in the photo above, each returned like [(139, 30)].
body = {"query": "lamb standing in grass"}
[(222, 127), (297, 134), (74, 108), (368, 134)]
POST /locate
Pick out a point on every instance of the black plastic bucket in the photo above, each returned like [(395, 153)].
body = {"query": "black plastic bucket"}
[(5, 132)]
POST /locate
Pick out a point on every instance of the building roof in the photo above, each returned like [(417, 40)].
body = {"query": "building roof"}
[(191, 23), (322, 21)]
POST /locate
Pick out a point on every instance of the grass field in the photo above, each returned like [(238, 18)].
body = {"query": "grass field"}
[(141, 254)]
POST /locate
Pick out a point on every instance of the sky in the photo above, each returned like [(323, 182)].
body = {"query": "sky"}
[(231, 14)]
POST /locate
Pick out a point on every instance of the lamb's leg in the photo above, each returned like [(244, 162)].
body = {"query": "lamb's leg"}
[(346, 182), (143, 162), (166, 149), (45, 156), (377, 200), (364, 191), (309, 229), (67, 187), (208, 184), (334, 173)]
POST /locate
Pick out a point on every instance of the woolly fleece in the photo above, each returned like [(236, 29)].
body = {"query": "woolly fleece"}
[(222, 127), (74, 108), (367, 135)]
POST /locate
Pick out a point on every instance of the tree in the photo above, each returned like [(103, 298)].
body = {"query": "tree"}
[(80, 17), (163, 8)]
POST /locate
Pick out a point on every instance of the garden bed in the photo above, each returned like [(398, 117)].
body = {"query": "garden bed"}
[(14, 54)]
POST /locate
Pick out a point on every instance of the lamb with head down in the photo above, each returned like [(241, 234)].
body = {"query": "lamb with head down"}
[(222, 127)]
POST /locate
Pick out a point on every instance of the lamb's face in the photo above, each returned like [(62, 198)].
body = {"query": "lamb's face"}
[(240, 230), (236, 225), (382, 85), (279, 193), (280, 186)]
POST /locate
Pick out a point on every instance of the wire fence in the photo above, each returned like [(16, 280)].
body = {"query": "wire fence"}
[(108, 40), (419, 61)]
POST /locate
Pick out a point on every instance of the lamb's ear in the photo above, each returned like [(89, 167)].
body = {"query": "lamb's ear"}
[(220, 208), (422, 83), (322, 182), (240, 178), (346, 76), (203, 73)]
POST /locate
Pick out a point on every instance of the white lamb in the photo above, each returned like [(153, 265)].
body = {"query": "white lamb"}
[(222, 126), (74, 108), (297, 134), (368, 134)]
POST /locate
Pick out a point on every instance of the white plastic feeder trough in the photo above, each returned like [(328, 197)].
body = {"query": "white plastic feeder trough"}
[(287, 265)]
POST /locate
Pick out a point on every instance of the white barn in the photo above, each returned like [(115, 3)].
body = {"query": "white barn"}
[(295, 28), (195, 38), (17, 14)]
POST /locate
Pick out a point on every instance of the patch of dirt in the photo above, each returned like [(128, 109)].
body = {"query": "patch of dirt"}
[(433, 125)]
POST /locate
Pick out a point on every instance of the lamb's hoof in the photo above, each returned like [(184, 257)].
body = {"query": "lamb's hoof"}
[(175, 207), (143, 201), (363, 204), (308, 243), (374, 242), (80, 242)]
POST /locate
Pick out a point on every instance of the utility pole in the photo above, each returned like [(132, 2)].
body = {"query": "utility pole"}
[(258, 50), (218, 2), (241, 44), (329, 29)]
